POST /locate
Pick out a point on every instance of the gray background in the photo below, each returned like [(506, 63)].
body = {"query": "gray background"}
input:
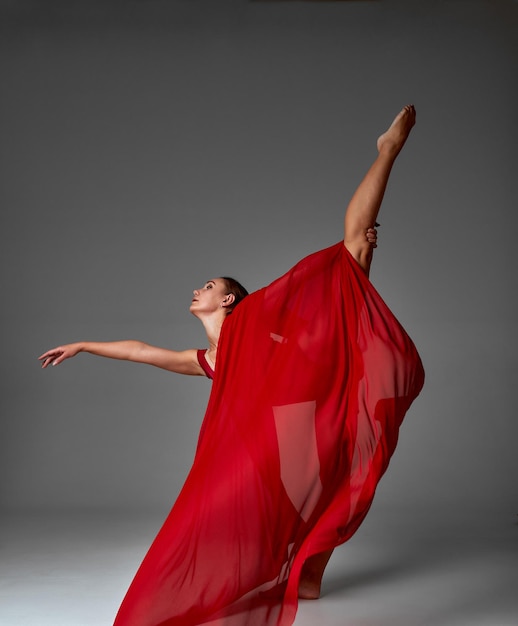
[(148, 146)]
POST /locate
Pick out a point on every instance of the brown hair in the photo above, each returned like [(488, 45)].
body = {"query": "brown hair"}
[(236, 288)]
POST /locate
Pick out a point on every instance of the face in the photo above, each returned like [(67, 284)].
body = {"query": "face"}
[(210, 297)]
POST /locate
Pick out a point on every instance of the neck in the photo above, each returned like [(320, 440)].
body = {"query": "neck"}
[(212, 325)]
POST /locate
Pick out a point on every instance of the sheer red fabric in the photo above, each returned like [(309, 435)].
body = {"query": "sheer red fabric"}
[(313, 379)]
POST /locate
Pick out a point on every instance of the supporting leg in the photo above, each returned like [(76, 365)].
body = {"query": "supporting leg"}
[(311, 575)]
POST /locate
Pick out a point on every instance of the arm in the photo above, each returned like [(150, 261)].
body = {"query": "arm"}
[(184, 362)]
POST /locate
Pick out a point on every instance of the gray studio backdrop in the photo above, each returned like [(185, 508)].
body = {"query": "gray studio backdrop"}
[(148, 146)]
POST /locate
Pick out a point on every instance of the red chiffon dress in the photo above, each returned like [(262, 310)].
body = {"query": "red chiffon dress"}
[(314, 377)]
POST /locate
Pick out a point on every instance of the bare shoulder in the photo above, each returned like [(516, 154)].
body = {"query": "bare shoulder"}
[(187, 363)]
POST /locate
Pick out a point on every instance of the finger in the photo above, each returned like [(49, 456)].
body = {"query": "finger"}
[(52, 352), (65, 354), (50, 360), (49, 357)]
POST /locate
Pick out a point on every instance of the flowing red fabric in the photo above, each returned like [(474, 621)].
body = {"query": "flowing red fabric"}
[(314, 376)]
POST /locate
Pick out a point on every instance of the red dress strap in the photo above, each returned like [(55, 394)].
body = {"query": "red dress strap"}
[(202, 360)]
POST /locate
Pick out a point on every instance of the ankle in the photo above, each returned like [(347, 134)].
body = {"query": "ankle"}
[(388, 152)]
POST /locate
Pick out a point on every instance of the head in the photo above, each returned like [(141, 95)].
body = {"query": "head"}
[(218, 294), (235, 288)]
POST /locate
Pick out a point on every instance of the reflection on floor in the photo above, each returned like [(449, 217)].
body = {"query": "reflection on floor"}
[(399, 570)]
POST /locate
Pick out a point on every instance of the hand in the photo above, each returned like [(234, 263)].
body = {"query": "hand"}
[(59, 354), (372, 237)]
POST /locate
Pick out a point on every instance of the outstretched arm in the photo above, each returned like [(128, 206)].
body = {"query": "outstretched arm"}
[(184, 362), (365, 204)]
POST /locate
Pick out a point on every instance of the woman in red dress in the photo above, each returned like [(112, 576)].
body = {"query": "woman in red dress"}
[(312, 377)]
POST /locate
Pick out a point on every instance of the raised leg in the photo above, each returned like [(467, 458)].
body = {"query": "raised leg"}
[(365, 204), (360, 216)]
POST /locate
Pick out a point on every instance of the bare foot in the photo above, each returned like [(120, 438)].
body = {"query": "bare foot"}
[(309, 589), (394, 138)]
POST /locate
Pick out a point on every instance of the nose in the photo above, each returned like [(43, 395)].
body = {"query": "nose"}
[(195, 292)]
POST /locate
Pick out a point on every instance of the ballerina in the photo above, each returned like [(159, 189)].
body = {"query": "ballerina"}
[(305, 500)]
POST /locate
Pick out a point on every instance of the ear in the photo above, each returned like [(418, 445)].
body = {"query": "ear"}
[(228, 300)]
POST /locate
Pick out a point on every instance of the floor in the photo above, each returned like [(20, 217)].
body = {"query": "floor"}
[(399, 570)]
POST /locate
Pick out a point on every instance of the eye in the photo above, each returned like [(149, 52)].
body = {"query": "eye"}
[(208, 286)]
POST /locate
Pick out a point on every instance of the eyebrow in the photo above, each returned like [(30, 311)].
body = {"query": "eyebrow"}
[(211, 281)]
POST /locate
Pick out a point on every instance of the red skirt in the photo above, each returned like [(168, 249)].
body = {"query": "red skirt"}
[(314, 377)]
